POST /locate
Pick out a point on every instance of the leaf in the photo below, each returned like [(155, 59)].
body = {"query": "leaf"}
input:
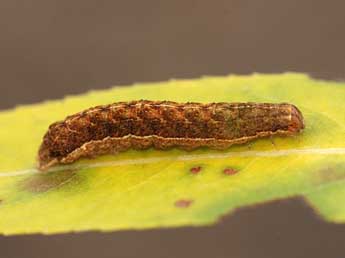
[(150, 189)]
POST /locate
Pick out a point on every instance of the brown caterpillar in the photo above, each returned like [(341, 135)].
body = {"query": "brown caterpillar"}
[(163, 124)]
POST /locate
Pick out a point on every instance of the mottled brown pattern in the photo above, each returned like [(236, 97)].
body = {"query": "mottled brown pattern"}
[(163, 124)]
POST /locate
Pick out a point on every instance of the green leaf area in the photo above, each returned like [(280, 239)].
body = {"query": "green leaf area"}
[(153, 189)]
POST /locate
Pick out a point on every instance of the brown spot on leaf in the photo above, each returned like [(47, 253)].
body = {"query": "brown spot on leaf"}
[(44, 182), (329, 173), (230, 171), (195, 170), (183, 203)]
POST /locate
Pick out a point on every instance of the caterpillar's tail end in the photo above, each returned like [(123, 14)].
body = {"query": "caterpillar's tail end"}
[(45, 161), (44, 166), (297, 121)]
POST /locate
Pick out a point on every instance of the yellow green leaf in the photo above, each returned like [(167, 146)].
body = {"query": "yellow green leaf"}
[(151, 189)]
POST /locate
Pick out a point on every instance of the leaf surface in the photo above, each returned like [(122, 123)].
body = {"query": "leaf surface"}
[(151, 189)]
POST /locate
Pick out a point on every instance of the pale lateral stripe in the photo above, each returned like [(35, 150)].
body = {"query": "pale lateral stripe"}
[(271, 153)]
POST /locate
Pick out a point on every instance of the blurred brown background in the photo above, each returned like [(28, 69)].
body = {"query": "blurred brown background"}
[(52, 48)]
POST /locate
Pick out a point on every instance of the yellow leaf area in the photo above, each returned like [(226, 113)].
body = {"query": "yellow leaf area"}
[(153, 189)]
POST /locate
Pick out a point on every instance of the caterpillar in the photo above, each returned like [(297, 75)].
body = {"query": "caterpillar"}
[(163, 124)]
